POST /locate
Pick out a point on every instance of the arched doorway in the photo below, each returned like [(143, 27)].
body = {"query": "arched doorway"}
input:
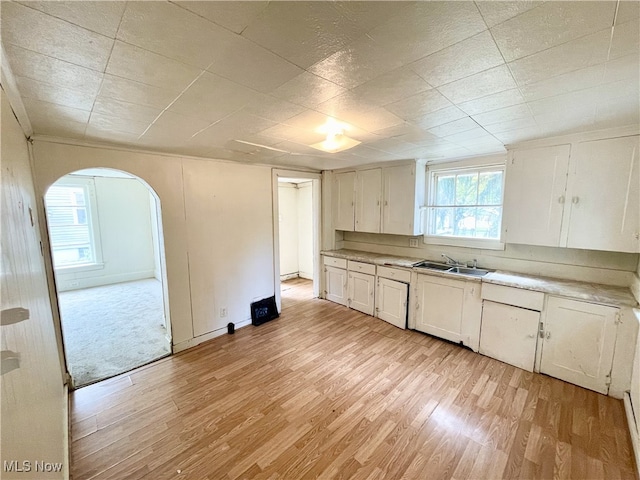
[(105, 236)]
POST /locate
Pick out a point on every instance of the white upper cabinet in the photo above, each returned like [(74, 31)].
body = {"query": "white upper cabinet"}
[(343, 201), (368, 198), (586, 197), (403, 199), (604, 185), (380, 200), (535, 195)]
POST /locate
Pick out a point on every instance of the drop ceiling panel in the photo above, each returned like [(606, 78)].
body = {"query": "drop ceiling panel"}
[(413, 79)]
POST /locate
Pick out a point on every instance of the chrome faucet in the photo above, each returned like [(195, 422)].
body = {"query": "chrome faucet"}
[(449, 260)]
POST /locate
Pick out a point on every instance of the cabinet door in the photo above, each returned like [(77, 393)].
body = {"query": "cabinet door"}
[(578, 343), (391, 302), (439, 307), (509, 334), (399, 203), (343, 201), (534, 198), (336, 285), (361, 292), (604, 191), (368, 194)]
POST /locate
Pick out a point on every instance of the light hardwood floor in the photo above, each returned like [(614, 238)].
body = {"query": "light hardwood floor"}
[(327, 392)]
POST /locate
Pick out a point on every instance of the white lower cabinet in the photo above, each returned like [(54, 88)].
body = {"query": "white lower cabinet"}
[(509, 334), (361, 292), (391, 302), (449, 309), (335, 282), (579, 340)]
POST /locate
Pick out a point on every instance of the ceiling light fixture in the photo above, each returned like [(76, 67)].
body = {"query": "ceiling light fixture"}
[(336, 140)]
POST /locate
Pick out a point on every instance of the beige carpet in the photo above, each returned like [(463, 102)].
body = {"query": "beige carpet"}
[(112, 329)]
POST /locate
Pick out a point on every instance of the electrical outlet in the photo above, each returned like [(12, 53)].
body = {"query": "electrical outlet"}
[(413, 242), (223, 312)]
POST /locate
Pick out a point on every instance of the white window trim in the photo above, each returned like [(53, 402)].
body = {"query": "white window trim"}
[(88, 184), (472, 164)]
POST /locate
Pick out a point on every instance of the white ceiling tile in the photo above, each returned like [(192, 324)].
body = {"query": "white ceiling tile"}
[(56, 118), (99, 17), (25, 63), (126, 111), (174, 128), (495, 12), (53, 94), (308, 89), (509, 125), (457, 126), (490, 81), (358, 112), (36, 31), (439, 117), (102, 125), (359, 62), (628, 11), (302, 32), (574, 55), (418, 105), (212, 97), (110, 135), (134, 63), (621, 68), (248, 64), (46, 125), (426, 27), (391, 145), (478, 134), (465, 58), (565, 83), (131, 91), (493, 101), (391, 87), (551, 24), (506, 114), (306, 136), (234, 16), (618, 112), (518, 135), (272, 108), (626, 39)]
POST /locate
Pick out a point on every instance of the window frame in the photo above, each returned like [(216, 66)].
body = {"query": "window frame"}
[(88, 185), (470, 166)]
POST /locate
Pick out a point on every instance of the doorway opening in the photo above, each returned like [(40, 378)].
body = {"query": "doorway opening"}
[(297, 231), (107, 250)]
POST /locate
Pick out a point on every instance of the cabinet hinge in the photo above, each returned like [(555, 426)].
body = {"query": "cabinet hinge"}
[(541, 330), (618, 319), (608, 381)]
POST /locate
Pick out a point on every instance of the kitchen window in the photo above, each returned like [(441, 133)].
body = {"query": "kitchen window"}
[(465, 205), (73, 224)]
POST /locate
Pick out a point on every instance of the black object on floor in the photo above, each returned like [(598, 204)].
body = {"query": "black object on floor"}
[(231, 328), (264, 310)]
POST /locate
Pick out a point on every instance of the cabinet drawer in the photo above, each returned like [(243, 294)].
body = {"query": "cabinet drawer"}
[(394, 274), (361, 267), (517, 297), (335, 262)]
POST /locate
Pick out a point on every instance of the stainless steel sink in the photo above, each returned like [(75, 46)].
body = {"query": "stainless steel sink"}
[(434, 266), (476, 272)]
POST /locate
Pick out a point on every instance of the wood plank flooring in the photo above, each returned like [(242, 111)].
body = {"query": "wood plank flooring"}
[(327, 392)]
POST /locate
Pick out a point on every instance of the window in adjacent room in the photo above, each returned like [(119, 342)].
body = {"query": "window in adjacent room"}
[(73, 223), (465, 205)]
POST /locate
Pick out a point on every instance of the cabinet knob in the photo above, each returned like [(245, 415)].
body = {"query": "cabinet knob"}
[(386, 204), (561, 199), (531, 335), (548, 335), (575, 200), (637, 235)]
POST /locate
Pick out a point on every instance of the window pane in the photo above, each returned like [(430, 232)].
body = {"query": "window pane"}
[(445, 190), (467, 189), (465, 221), (490, 188), (488, 222), (443, 221)]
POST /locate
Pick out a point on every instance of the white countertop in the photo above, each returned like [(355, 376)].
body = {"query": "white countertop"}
[(590, 292)]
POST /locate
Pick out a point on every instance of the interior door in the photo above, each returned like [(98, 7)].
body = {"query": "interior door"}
[(368, 195), (343, 201), (440, 304), (361, 292), (336, 285), (579, 342), (391, 302)]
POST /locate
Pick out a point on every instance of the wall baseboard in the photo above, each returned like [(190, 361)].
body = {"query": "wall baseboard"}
[(80, 283), (192, 342), (66, 440), (306, 275), (633, 431), (288, 276)]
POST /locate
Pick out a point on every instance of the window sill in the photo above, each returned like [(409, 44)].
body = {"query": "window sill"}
[(464, 242), (79, 268)]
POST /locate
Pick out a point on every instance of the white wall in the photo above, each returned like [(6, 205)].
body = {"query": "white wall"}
[(124, 219), (305, 230), (217, 222), (296, 229), (34, 403)]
